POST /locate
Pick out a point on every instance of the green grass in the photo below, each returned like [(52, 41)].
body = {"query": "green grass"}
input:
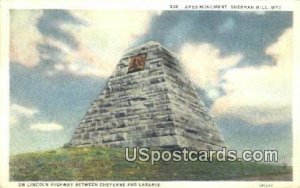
[(96, 163)]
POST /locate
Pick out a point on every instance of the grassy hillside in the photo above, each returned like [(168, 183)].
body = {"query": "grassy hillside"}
[(95, 163)]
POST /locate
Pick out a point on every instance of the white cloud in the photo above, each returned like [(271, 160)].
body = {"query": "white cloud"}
[(19, 111), (203, 62), (261, 95), (47, 127), (24, 37), (15, 108), (103, 41)]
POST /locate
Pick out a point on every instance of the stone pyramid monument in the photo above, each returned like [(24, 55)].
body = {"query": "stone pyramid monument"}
[(148, 101)]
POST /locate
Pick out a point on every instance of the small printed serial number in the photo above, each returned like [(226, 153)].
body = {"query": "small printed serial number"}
[(265, 185), (173, 6)]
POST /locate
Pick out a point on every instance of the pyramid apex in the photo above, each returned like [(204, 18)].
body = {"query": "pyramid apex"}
[(152, 43), (144, 45)]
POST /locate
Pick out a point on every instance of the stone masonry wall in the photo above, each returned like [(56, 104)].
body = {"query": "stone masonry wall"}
[(155, 106)]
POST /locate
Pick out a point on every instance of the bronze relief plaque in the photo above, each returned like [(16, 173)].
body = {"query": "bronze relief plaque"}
[(137, 63)]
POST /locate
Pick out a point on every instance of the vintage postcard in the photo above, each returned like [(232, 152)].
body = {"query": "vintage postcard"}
[(148, 94)]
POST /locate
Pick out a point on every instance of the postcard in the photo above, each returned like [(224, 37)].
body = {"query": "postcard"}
[(149, 94)]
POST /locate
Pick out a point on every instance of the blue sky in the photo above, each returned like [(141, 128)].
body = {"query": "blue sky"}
[(239, 61)]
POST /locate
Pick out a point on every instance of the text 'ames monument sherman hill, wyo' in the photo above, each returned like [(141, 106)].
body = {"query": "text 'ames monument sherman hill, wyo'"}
[(149, 101)]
